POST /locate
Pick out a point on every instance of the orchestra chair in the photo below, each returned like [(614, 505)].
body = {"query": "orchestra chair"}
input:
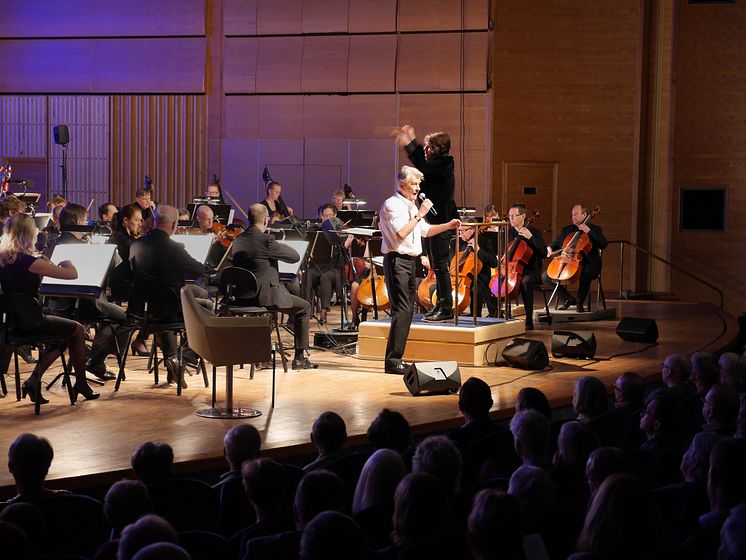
[(154, 309), (226, 341), (21, 316), (239, 289)]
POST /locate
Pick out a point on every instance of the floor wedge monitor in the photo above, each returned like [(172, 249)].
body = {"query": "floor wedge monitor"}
[(432, 377)]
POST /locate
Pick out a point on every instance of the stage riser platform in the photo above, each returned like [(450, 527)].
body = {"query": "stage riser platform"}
[(465, 343), (572, 316)]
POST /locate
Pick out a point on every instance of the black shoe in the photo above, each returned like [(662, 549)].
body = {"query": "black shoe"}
[(25, 353), (303, 363), (580, 308), (439, 317), (529, 326), (569, 303), (99, 370), (32, 390), (189, 356), (398, 369), (85, 390), (139, 348), (172, 369), (432, 312)]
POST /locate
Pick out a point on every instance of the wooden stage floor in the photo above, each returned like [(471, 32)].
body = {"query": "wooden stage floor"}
[(93, 440)]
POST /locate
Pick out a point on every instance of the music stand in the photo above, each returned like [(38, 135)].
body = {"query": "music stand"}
[(198, 246), (357, 218), (336, 241), (223, 212)]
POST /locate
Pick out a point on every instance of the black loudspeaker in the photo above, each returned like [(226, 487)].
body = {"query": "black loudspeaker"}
[(526, 354), (61, 134), (432, 377), (635, 329), (569, 344)]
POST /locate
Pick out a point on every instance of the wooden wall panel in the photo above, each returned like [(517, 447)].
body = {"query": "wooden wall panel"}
[(442, 15), (325, 16), (163, 137), (280, 116), (87, 118), (240, 65), (432, 62), (93, 18), (239, 17), (568, 90), (710, 144), (279, 17), (326, 116), (369, 16), (325, 62), (103, 65), (279, 65), (372, 62), (23, 126), (373, 116)]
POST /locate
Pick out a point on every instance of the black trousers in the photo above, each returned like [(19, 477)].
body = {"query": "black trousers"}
[(438, 249), (399, 271), (528, 283), (329, 280), (587, 275), (300, 311)]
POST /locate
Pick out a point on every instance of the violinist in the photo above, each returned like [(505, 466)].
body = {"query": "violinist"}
[(143, 198), (591, 268), (338, 199), (106, 212), (125, 229), (206, 223), (532, 269), (275, 205), (214, 192)]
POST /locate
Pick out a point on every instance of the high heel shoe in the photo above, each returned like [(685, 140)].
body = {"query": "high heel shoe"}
[(85, 390), (139, 348), (32, 390)]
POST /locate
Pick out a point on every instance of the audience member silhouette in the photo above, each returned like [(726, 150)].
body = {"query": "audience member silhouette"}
[(602, 463), (329, 435), (534, 490), (530, 398), (495, 527), (530, 431), (162, 551), (331, 535), (474, 402), (378, 480), (147, 530), (733, 535), (28, 518), (620, 426), (14, 542), (29, 459), (576, 442), (152, 462), (705, 372), (660, 454), (439, 456), (733, 370), (125, 502), (720, 409), (589, 398)]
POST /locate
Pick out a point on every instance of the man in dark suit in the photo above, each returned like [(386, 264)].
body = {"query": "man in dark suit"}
[(157, 256), (259, 252), (591, 268)]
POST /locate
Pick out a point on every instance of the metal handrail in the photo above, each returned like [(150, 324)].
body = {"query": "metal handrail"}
[(623, 242)]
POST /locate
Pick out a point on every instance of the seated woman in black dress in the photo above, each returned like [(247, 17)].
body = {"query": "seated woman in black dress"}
[(21, 272)]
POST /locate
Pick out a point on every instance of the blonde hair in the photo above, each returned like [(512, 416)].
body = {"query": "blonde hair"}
[(19, 236)]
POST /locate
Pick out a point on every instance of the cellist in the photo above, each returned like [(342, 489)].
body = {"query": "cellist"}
[(532, 270), (591, 268)]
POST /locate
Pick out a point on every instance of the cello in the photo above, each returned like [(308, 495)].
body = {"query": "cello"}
[(567, 262), (465, 267), (507, 283), (365, 291)]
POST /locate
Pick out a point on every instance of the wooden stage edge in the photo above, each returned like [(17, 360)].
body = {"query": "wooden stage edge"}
[(93, 440)]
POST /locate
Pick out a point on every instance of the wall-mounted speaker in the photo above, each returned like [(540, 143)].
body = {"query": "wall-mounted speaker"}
[(524, 353), (569, 344), (61, 134), (636, 329), (432, 377)]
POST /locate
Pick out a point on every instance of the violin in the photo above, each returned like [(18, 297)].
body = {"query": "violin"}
[(365, 291), (507, 283), (225, 234), (567, 264)]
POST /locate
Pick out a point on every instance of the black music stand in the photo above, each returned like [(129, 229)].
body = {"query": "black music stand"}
[(336, 241), (222, 212), (357, 218)]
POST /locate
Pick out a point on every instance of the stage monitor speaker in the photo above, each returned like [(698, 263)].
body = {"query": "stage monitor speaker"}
[(61, 134), (635, 329), (569, 344), (524, 353), (432, 377)]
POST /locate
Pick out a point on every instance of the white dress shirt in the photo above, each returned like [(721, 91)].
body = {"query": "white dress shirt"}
[(394, 214)]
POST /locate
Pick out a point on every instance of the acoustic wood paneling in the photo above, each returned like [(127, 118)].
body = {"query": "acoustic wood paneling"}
[(103, 65), (369, 16), (239, 17), (442, 15), (163, 137), (279, 17), (324, 64), (87, 118), (23, 126), (432, 62), (93, 18), (278, 66), (568, 90), (240, 57), (325, 16), (372, 62), (710, 143)]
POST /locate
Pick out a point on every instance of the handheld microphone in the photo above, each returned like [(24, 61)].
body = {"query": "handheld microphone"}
[(423, 198)]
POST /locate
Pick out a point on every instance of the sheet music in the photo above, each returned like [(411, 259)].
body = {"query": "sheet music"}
[(362, 232), (291, 269), (197, 245), (91, 261)]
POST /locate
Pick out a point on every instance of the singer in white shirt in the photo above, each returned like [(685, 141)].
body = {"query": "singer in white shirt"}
[(403, 228)]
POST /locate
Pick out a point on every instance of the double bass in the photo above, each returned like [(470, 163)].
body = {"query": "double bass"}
[(568, 261), (507, 283)]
